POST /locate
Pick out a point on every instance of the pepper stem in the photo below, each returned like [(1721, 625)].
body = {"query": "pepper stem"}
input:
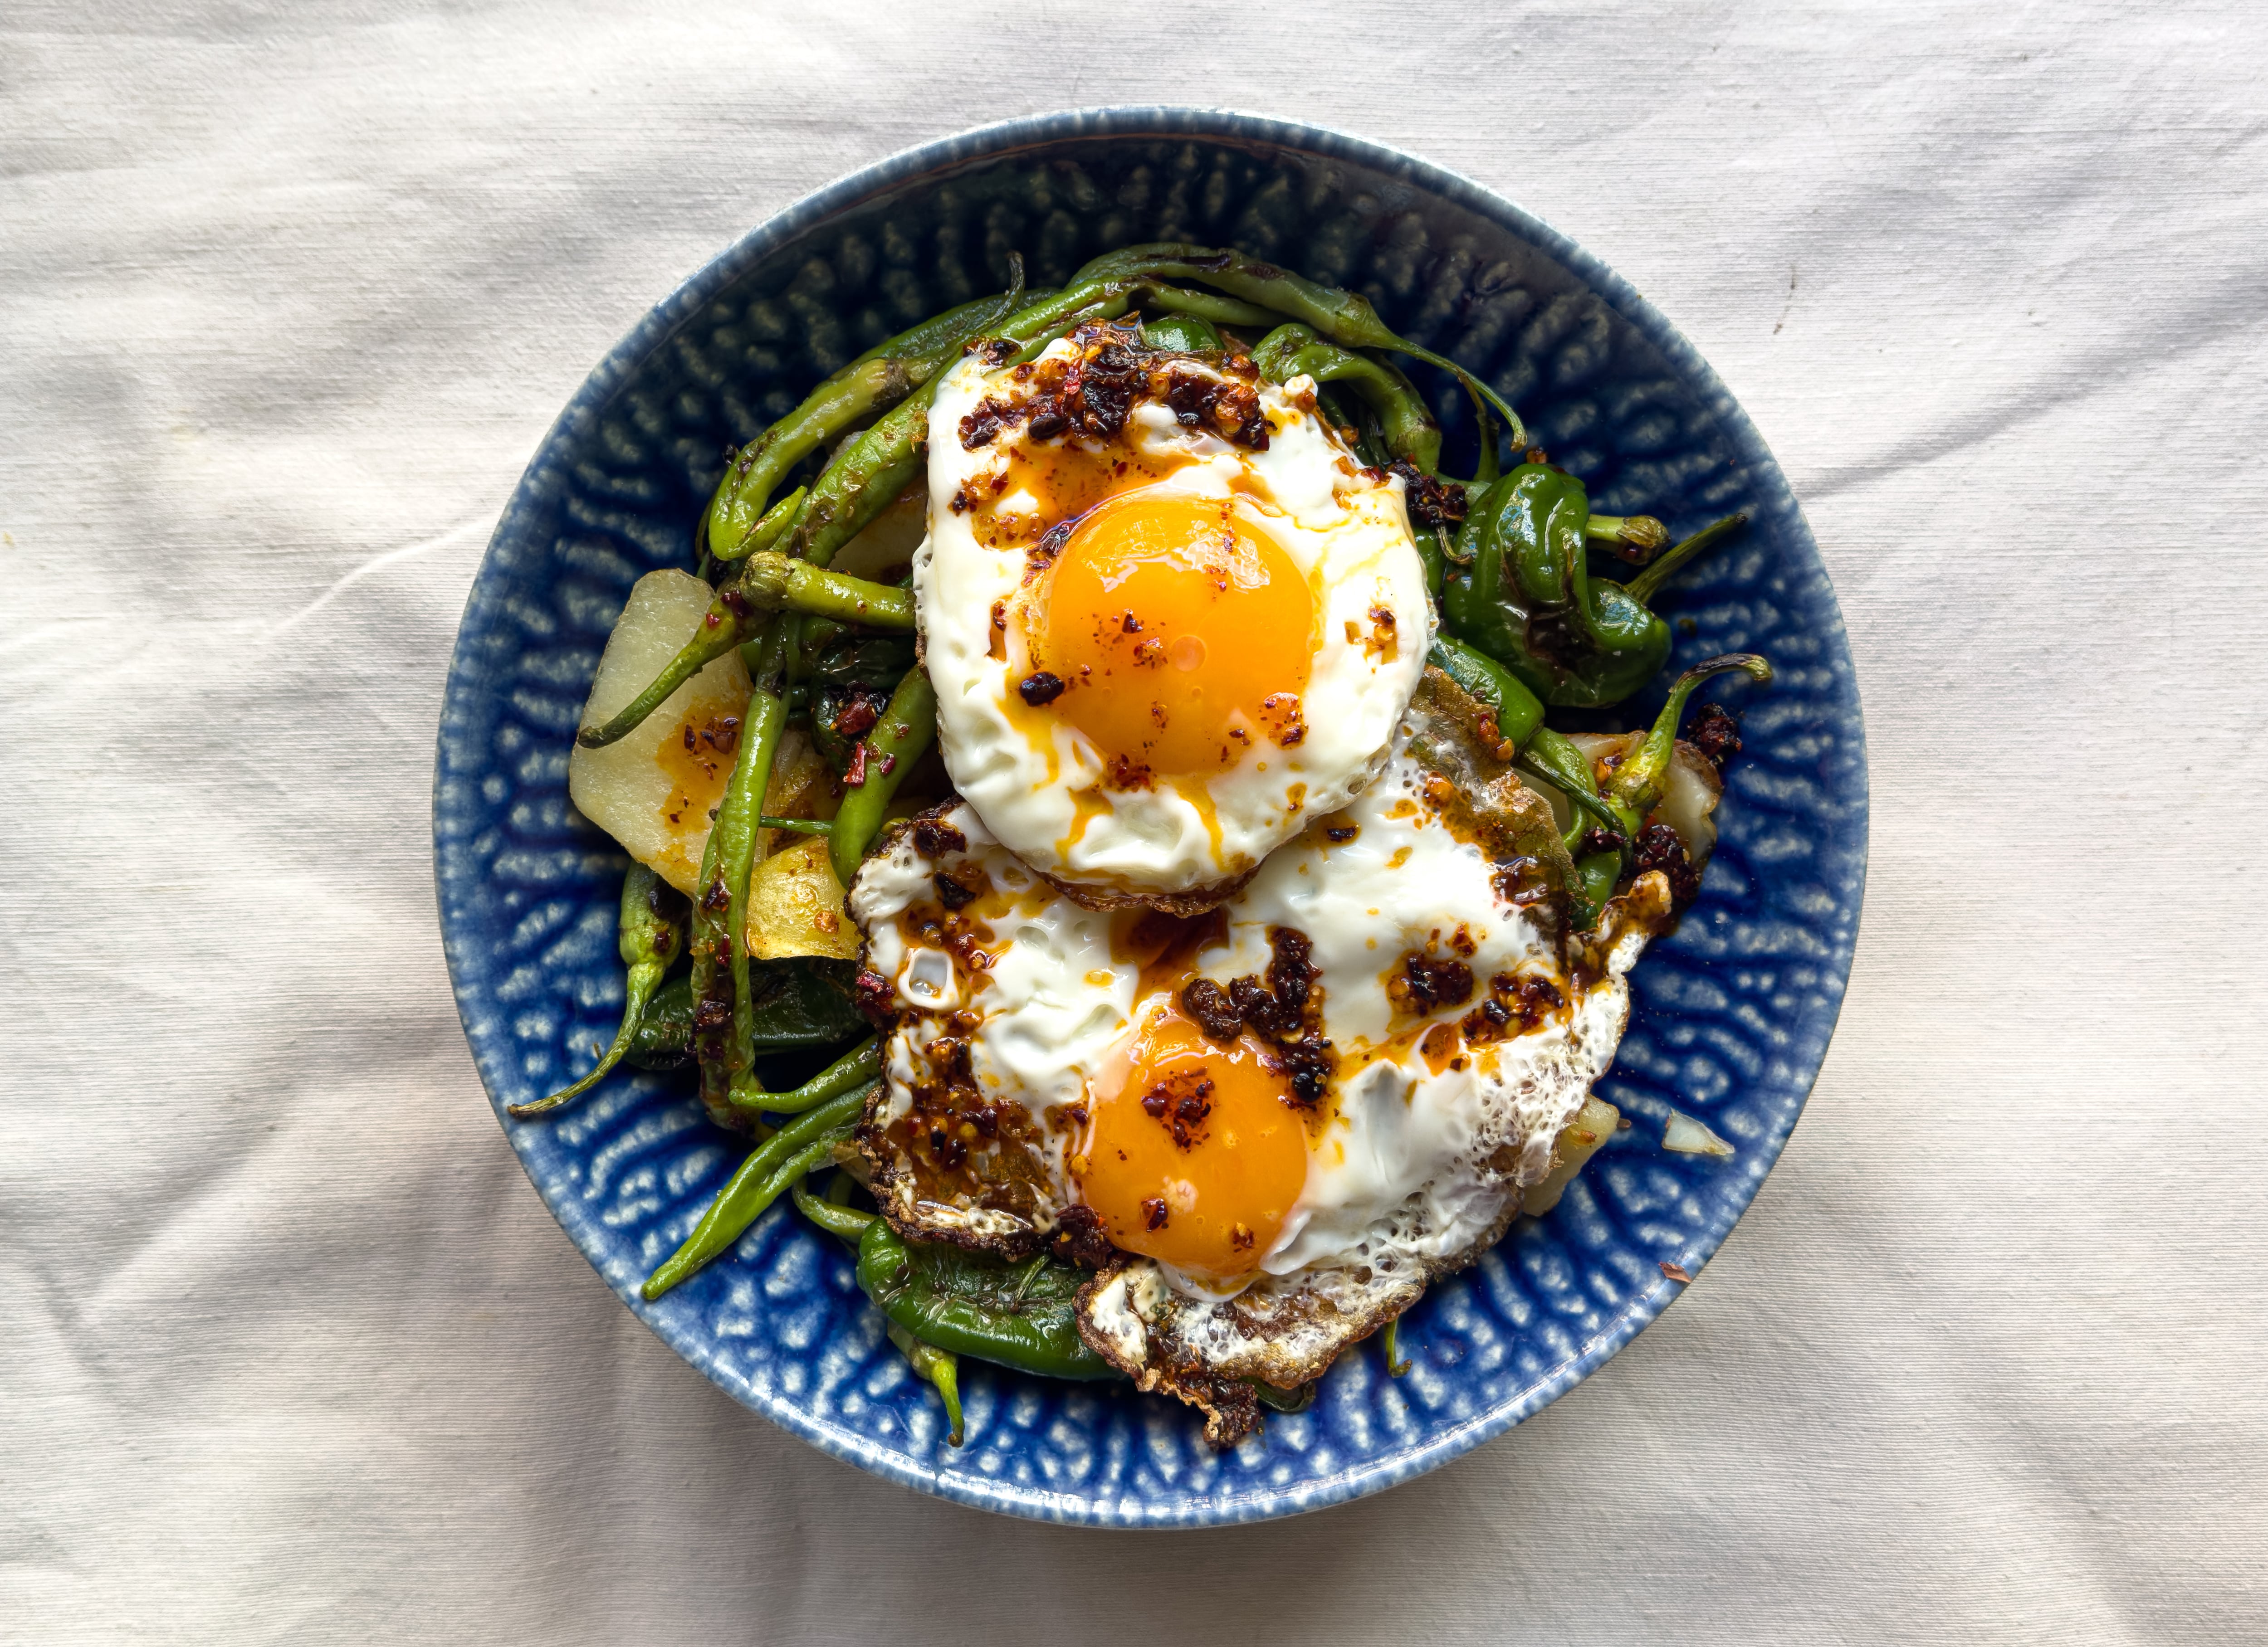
[(940, 1367), (1397, 1364), (1636, 538), (635, 992), (1648, 583), (847, 1222), (1637, 784)]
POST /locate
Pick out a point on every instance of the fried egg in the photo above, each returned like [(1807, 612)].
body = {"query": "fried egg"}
[(1170, 620), (1269, 1123)]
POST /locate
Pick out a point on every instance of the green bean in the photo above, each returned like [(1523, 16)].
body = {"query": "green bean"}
[(724, 1013), (771, 1169), (797, 825), (939, 1367), (650, 934), (861, 1066), (878, 766), (776, 582)]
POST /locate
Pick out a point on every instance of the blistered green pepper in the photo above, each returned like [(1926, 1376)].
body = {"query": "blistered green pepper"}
[(796, 1010), (1022, 1315), (1346, 318), (650, 934), (882, 376), (774, 1167), (1190, 334), (1404, 421), (878, 766), (1526, 597), (1635, 786), (1519, 712)]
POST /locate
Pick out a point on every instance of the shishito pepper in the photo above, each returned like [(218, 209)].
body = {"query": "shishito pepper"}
[(1526, 597), (1022, 1315), (650, 933), (1405, 422)]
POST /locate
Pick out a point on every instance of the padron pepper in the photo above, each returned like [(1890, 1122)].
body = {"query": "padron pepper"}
[(1526, 597), (877, 379)]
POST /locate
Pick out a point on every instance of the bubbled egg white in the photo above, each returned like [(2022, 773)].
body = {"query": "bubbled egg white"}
[(1231, 631)]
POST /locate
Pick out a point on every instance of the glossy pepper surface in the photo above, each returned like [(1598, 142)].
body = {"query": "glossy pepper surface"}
[(1023, 1315), (649, 934)]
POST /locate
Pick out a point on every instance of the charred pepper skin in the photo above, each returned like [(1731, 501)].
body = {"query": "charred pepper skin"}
[(877, 379), (1526, 597), (773, 1168), (1185, 333), (650, 935), (1519, 712), (1346, 318), (724, 1008), (949, 1297), (1405, 422), (898, 738)]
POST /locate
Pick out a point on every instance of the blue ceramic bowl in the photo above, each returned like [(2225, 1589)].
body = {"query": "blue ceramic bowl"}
[(1732, 1014)]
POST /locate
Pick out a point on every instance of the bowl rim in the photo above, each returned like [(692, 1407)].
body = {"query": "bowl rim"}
[(997, 140)]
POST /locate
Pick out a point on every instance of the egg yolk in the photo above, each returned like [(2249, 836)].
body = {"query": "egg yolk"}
[(1194, 1159), (1182, 634)]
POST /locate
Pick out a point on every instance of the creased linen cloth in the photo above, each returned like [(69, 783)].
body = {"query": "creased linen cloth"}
[(290, 292)]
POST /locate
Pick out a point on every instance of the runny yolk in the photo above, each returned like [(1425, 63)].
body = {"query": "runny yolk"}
[(1193, 1158), (1182, 634)]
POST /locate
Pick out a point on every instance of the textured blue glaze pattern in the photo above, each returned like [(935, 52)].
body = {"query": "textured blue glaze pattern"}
[(1732, 1014)]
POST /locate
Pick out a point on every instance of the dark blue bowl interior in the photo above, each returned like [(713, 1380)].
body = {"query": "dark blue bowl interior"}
[(1733, 1012)]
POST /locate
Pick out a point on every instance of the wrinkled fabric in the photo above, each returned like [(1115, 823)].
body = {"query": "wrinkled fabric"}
[(290, 292)]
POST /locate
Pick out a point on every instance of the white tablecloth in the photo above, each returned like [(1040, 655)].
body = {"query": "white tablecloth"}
[(289, 291)]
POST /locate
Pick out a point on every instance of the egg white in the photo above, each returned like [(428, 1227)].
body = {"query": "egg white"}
[(1415, 1165), (1344, 528)]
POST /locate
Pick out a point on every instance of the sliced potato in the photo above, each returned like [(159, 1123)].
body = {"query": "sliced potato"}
[(802, 787), (886, 548), (652, 790), (1687, 801), (795, 906), (1578, 1142)]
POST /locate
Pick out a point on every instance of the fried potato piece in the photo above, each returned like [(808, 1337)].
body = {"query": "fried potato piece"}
[(795, 905), (652, 789), (1578, 1142)]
